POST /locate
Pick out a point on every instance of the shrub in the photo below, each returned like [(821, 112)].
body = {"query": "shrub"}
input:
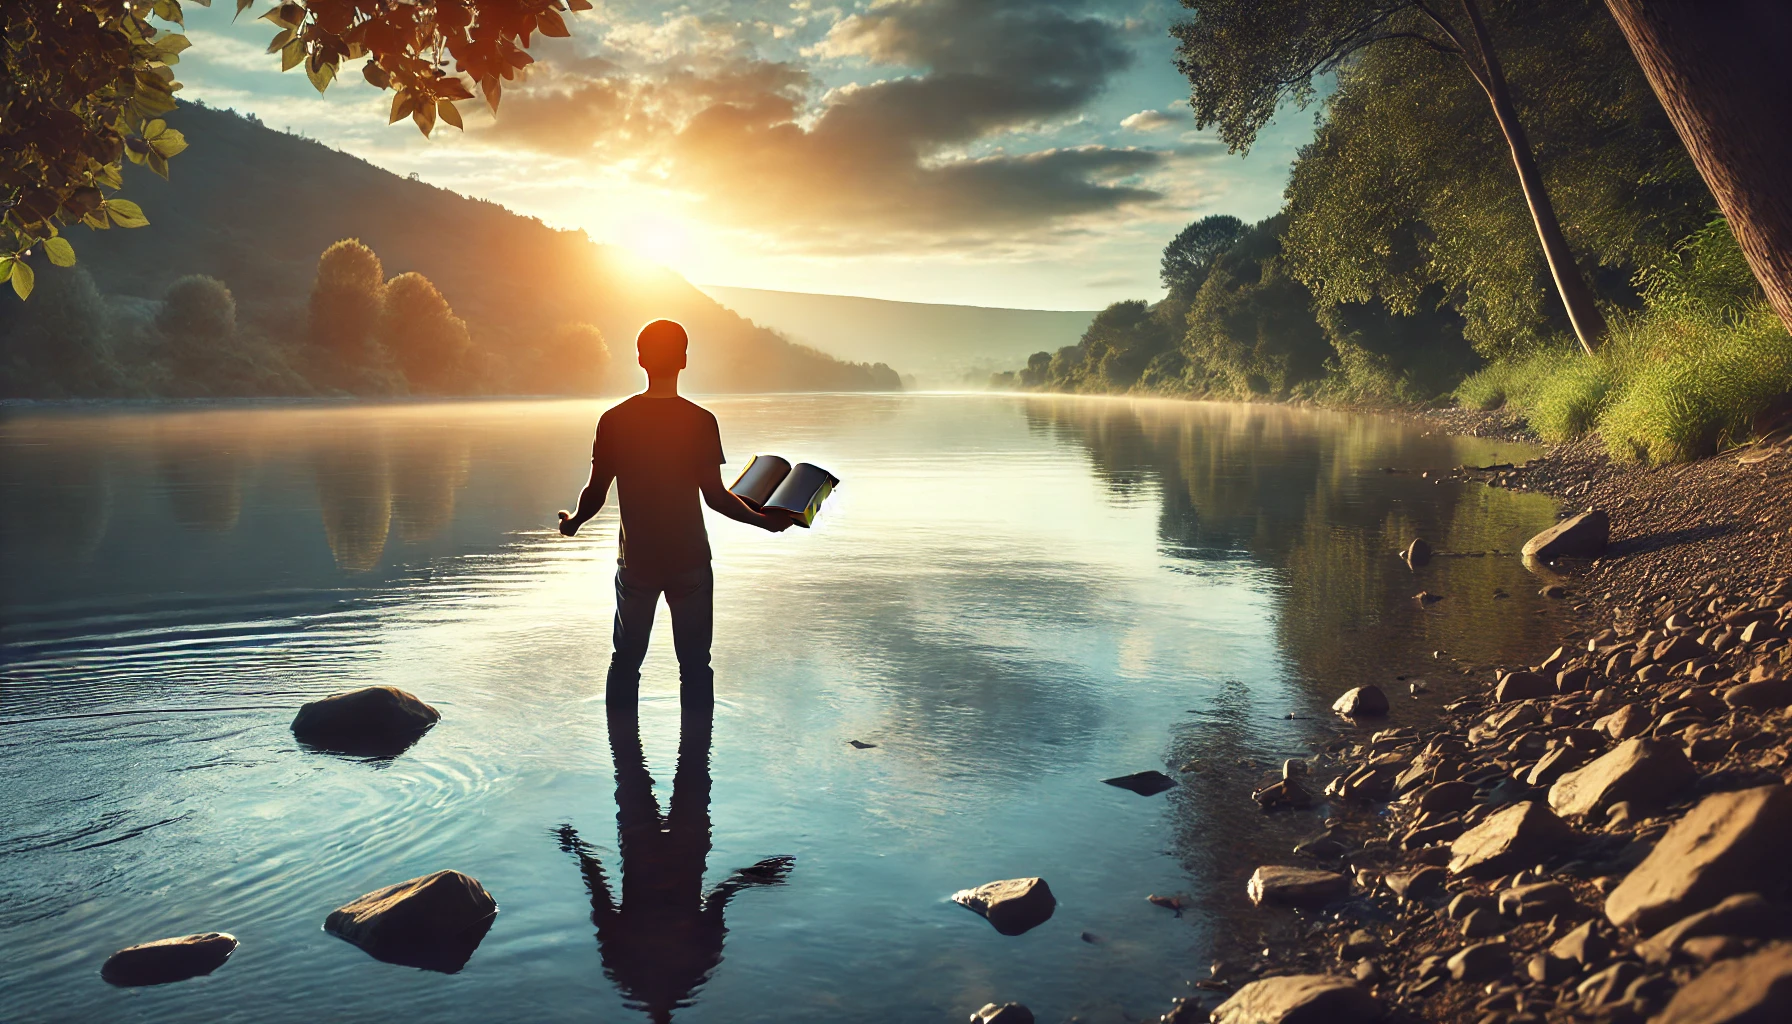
[(422, 333)]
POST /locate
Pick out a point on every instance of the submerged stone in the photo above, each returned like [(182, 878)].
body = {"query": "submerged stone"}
[(168, 960), (377, 720), (1143, 783), (1013, 906), (1361, 701), (434, 922)]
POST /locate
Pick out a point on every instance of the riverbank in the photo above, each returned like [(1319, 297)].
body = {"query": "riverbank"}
[(1593, 837)]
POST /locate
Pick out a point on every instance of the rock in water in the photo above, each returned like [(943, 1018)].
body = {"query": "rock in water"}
[(1143, 783), (377, 720), (434, 922), (1644, 772), (1004, 1013), (166, 960), (1361, 701), (1275, 884), (1582, 536), (1299, 999), (1417, 553), (1509, 840), (1013, 906), (1727, 844), (1750, 989)]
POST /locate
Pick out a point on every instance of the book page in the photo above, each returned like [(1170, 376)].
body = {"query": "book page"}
[(761, 477), (803, 491)]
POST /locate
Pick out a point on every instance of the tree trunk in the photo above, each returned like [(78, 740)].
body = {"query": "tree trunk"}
[(1720, 69), (1589, 325)]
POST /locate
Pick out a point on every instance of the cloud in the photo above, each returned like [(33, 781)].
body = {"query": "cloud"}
[(1152, 120), (918, 155)]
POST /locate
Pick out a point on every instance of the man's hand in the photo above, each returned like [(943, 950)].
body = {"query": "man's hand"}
[(776, 520), (568, 525)]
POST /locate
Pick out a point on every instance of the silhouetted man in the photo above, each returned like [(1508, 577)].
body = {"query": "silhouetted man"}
[(664, 936), (662, 451)]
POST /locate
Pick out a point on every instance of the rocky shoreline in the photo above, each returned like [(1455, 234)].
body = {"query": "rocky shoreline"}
[(1592, 838)]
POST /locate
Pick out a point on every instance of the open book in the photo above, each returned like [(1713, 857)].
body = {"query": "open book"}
[(771, 482)]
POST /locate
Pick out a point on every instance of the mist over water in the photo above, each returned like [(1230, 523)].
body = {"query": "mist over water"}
[(1011, 597)]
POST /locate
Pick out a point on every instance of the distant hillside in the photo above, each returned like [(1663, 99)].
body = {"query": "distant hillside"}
[(254, 208), (941, 345)]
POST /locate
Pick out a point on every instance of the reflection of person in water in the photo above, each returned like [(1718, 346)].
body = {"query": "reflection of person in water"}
[(664, 937)]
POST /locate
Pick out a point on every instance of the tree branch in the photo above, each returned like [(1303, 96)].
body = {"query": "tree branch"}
[(1479, 74)]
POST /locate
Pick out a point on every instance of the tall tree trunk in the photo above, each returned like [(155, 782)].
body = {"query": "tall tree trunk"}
[(1720, 69), (1589, 325)]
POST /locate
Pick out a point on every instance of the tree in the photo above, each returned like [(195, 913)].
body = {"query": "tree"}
[(1718, 67), (1191, 253), (1251, 328), (84, 83), (422, 333), (1404, 196), (573, 360), (347, 300), (198, 313), (1243, 58)]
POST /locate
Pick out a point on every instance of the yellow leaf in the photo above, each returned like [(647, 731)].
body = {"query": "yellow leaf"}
[(22, 279), (291, 55), (126, 214), (425, 118), (321, 77), (60, 252), (449, 114), (551, 24), (280, 40), (402, 101)]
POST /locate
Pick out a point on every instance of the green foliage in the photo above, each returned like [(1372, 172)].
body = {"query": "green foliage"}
[(428, 342), (198, 312), (1251, 326), (1677, 381), (61, 344), (83, 85), (1407, 194), (1190, 255), (347, 299)]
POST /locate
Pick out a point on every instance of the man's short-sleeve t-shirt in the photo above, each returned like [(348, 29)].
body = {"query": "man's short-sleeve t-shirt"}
[(658, 449)]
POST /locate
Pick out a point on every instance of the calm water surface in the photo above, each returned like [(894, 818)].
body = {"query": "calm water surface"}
[(1011, 597)]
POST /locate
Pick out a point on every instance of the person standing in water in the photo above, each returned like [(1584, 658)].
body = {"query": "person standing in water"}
[(662, 451)]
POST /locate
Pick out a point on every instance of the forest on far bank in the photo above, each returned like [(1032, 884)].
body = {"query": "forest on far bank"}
[(1404, 266), (227, 293)]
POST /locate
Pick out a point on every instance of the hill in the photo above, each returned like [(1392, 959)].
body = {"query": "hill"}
[(942, 345), (254, 208)]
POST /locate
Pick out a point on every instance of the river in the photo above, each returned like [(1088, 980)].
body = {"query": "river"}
[(1009, 598)]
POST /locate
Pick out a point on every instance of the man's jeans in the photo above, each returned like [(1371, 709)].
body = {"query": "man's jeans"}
[(691, 596)]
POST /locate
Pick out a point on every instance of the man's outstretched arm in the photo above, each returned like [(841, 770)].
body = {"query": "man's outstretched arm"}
[(590, 500), (719, 497)]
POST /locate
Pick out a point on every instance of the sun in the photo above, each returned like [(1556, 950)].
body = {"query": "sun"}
[(657, 238)]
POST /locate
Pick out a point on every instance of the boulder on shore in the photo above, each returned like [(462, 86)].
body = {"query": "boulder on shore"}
[(1643, 772), (1013, 905), (1752, 988), (1582, 536), (1511, 839), (166, 960), (1276, 884), (1299, 999), (1729, 843), (1361, 701), (434, 922), (377, 720), (1517, 686), (1744, 915)]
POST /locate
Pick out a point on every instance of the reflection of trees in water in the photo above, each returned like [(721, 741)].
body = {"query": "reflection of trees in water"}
[(1303, 493), (427, 471), (354, 493), (60, 498), (203, 480)]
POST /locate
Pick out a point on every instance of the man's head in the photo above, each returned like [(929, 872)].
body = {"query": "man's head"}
[(660, 347)]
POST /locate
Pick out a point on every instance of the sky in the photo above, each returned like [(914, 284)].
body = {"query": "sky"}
[(1016, 153)]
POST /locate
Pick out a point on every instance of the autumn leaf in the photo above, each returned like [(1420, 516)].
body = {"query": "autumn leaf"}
[(447, 112), (23, 279)]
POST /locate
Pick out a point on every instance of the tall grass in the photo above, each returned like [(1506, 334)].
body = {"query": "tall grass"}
[(1675, 382)]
